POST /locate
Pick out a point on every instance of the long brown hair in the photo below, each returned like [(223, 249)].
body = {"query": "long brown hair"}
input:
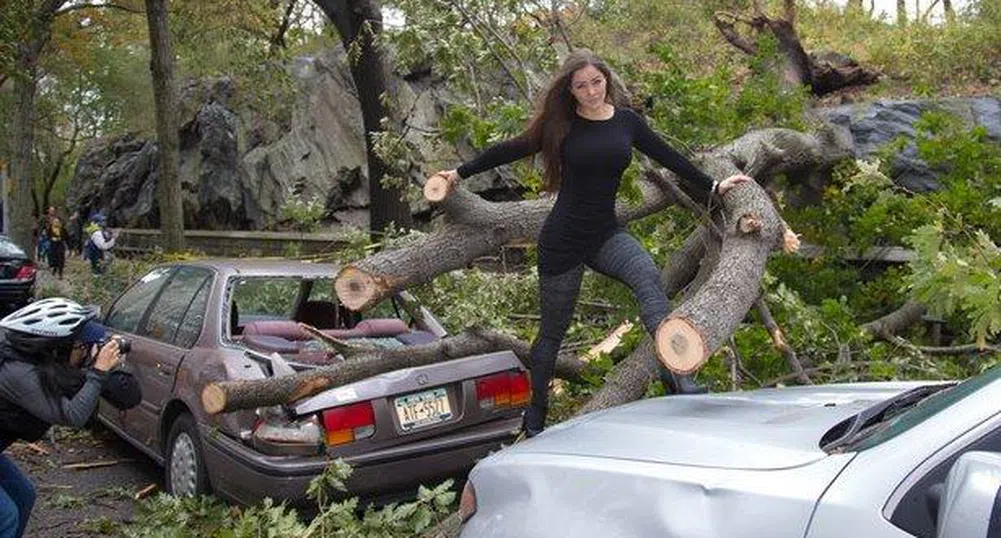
[(550, 124)]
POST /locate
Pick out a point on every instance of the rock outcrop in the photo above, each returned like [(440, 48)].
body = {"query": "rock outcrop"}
[(874, 125)]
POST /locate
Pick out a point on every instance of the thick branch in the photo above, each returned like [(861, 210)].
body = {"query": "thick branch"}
[(725, 23), (363, 363), (896, 321), (752, 229), (475, 227)]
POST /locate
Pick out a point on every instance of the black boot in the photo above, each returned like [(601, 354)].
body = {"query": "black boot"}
[(534, 421), (680, 383)]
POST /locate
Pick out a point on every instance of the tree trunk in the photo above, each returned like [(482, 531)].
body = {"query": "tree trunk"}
[(359, 22), (22, 200), (37, 31), (855, 5), (950, 13), (902, 12), (475, 227), (161, 67), (364, 363)]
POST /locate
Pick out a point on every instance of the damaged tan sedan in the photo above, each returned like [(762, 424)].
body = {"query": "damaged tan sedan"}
[(199, 322)]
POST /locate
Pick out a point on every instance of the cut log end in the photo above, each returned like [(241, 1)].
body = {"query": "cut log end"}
[(355, 288), (213, 399), (680, 346), (437, 188)]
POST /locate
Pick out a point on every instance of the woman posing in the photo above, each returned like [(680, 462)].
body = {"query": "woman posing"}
[(586, 140)]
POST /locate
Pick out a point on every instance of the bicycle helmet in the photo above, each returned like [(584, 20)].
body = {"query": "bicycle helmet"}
[(48, 318)]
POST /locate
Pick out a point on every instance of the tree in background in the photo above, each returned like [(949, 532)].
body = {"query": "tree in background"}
[(359, 23), (33, 25), (168, 154)]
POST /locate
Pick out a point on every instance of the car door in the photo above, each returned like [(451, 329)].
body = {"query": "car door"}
[(123, 318), (916, 509), (156, 365)]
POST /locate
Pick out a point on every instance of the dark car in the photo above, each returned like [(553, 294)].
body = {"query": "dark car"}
[(17, 276), (199, 322)]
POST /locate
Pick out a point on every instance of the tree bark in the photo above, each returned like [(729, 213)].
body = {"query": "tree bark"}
[(161, 67), (366, 362), (359, 23), (37, 31), (902, 12)]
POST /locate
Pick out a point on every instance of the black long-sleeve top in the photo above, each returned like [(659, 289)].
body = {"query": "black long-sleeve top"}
[(595, 154)]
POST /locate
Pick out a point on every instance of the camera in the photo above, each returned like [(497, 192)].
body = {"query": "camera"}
[(124, 344)]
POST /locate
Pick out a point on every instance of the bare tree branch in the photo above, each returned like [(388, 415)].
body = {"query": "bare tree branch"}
[(778, 340)]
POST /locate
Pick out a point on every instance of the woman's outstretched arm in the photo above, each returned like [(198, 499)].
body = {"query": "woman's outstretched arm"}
[(699, 185), (499, 154)]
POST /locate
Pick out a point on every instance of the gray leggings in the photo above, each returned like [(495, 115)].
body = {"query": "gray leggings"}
[(620, 257)]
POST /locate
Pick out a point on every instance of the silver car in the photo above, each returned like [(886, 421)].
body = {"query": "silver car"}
[(867, 459)]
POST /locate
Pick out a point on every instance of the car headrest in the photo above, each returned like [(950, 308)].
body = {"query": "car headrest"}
[(270, 344), (381, 327), (288, 330)]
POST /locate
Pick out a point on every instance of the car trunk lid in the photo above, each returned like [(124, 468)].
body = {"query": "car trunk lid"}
[(413, 403)]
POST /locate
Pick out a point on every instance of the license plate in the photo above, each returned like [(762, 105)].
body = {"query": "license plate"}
[(423, 408)]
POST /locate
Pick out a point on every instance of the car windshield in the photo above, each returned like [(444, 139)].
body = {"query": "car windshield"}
[(924, 409)]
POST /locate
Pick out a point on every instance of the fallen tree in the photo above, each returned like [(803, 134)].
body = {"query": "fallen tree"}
[(823, 73), (723, 256)]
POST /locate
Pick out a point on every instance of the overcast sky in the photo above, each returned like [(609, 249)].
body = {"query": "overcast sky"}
[(890, 7)]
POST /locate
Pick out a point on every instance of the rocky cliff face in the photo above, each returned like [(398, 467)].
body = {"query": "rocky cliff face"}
[(876, 124), (237, 169)]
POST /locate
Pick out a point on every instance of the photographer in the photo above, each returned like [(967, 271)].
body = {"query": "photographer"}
[(47, 377)]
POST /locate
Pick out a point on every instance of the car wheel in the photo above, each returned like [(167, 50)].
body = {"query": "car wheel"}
[(186, 474)]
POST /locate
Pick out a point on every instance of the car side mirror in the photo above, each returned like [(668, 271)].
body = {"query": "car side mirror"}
[(971, 506)]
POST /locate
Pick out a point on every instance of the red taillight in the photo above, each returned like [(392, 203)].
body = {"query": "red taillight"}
[(467, 502), (25, 272), (349, 423), (508, 389)]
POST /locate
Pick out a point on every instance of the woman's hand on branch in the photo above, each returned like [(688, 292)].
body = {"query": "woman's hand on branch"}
[(731, 182), (108, 357), (450, 175)]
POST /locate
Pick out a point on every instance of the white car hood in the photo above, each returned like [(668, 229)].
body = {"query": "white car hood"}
[(763, 430), (736, 465)]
